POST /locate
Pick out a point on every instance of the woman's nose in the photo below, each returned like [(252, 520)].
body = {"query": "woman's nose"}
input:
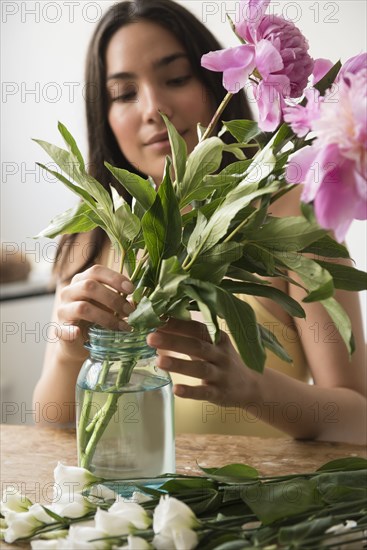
[(154, 101)]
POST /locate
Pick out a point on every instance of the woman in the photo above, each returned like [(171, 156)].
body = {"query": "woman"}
[(144, 58)]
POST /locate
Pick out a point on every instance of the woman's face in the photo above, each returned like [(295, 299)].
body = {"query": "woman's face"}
[(148, 71)]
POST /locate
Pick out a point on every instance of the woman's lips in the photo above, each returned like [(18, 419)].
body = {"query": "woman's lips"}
[(160, 142)]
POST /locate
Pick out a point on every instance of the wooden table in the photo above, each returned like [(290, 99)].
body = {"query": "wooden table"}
[(29, 455)]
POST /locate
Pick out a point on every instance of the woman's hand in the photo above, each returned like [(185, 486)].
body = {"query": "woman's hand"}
[(225, 379), (97, 295)]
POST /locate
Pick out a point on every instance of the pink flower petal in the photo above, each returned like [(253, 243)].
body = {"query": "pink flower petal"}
[(268, 59), (299, 165), (354, 65), (320, 68), (336, 202), (269, 105), (252, 13), (234, 79), (326, 160), (239, 56)]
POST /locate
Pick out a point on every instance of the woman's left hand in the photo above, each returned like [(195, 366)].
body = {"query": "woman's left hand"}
[(225, 379)]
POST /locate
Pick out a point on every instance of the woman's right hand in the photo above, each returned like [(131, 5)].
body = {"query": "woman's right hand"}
[(97, 295)]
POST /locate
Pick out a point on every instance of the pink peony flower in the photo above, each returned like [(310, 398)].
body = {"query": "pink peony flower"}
[(300, 117), (334, 169), (276, 49)]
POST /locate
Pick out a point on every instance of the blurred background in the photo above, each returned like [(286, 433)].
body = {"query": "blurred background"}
[(43, 48)]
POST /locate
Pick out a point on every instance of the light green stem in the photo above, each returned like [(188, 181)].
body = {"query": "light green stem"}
[(83, 421), (216, 116), (102, 417)]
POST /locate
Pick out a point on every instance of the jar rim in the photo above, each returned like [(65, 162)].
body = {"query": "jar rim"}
[(118, 342)]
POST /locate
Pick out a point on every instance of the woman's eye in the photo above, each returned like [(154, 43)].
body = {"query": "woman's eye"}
[(128, 97), (180, 80)]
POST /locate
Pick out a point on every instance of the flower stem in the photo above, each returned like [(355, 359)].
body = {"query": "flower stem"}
[(216, 116)]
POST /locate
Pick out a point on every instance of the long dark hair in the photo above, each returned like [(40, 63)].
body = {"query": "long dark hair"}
[(195, 38)]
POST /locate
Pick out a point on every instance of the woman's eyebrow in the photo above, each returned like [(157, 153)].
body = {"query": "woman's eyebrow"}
[(163, 62)]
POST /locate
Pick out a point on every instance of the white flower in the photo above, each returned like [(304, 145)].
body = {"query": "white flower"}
[(174, 514), (70, 479), (112, 524), (132, 512), (72, 506), (134, 543), (39, 544), (342, 527), (13, 499), (40, 514), (176, 539), (79, 539), (102, 491), (139, 497), (20, 525)]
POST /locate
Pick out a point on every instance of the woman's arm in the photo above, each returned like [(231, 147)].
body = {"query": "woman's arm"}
[(93, 296), (327, 412)]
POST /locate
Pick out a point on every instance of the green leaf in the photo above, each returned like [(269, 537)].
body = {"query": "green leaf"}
[(231, 473), (282, 136), (235, 272), (73, 220), (144, 316), (182, 485), (345, 277), (71, 166), (243, 130), (281, 500), (71, 143), (318, 281), (65, 160), (217, 226), (213, 264), (288, 304), (342, 485), (271, 342), (341, 321), (205, 296), (295, 534), (327, 247), (243, 327), (178, 149), (74, 188), (327, 80), (127, 224), (344, 464), (286, 234), (204, 159), (138, 187), (161, 224)]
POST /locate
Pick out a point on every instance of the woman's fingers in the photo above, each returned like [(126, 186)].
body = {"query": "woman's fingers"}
[(195, 347), (106, 276), (74, 312), (90, 290), (97, 295), (195, 329), (197, 369), (203, 393)]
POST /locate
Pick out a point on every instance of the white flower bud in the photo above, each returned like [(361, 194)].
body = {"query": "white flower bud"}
[(13, 499), (70, 479), (131, 512), (72, 506), (174, 514)]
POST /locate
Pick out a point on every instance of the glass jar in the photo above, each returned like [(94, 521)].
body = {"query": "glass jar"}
[(125, 417)]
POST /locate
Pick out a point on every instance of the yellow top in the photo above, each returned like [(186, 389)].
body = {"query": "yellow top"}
[(192, 416)]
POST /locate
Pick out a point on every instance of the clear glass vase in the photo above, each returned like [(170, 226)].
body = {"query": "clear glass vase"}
[(125, 422)]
